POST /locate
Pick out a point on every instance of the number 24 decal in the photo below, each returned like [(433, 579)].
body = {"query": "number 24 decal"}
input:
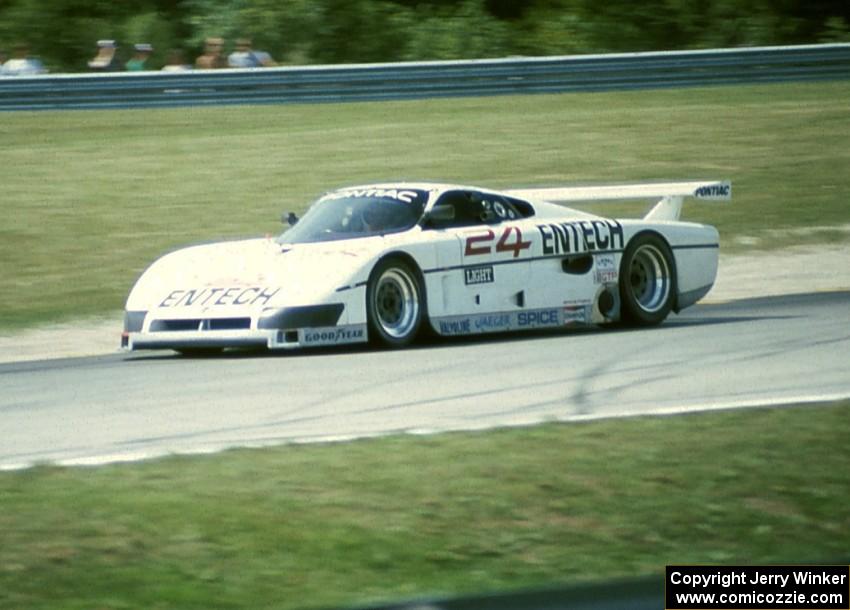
[(483, 244)]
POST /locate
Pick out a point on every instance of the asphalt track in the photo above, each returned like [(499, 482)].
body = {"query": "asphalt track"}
[(777, 350)]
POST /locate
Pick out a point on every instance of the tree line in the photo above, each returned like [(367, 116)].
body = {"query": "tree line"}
[(63, 33)]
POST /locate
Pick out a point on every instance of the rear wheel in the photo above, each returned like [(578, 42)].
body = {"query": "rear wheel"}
[(394, 303), (647, 280)]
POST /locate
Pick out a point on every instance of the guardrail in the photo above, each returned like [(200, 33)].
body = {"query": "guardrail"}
[(410, 80)]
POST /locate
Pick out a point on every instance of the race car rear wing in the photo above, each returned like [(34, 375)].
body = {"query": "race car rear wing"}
[(669, 207)]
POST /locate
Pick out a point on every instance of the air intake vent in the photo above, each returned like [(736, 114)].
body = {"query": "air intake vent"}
[(201, 324), (175, 325), (229, 323), (577, 265)]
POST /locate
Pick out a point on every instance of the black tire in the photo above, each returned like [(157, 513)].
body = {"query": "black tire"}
[(395, 303), (647, 280)]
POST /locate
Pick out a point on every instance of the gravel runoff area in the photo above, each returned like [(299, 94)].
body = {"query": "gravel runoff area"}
[(794, 270)]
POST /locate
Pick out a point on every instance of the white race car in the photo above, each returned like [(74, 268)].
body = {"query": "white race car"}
[(385, 262)]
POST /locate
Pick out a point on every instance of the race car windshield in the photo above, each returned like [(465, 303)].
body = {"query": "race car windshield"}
[(356, 213)]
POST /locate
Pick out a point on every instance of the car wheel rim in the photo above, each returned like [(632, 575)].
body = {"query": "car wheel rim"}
[(396, 303), (649, 277)]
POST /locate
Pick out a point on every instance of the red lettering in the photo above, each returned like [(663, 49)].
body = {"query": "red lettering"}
[(472, 250), (505, 243), (515, 247)]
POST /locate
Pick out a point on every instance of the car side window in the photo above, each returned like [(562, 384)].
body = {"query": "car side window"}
[(472, 208), (498, 209), (523, 209), (466, 206)]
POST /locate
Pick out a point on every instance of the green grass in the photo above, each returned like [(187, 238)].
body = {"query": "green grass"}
[(90, 198), (401, 517)]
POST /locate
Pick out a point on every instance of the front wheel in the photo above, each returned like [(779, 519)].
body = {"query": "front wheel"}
[(647, 280), (394, 303)]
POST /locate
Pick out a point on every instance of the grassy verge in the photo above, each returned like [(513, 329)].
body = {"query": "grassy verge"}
[(90, 198), (399, 517)]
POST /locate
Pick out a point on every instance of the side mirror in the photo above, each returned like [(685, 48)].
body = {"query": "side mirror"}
[(289, 218), (442, 212)]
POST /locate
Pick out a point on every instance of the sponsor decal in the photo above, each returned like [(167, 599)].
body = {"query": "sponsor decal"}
[(332, 335), (714, 190), (509, 241), (456, 326), (606, 269), (499, 322), (538, 319), (399, 195), (581, 236), (211, 297), (492, 323), (478, 275), (575, 314)]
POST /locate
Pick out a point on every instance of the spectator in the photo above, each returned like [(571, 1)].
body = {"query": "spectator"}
[(22, 64), (106, 59), (212, 56), (176, 62), (142, 54), (245, 57)]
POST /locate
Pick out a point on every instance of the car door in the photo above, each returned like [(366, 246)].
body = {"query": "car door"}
[(484, 273)]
